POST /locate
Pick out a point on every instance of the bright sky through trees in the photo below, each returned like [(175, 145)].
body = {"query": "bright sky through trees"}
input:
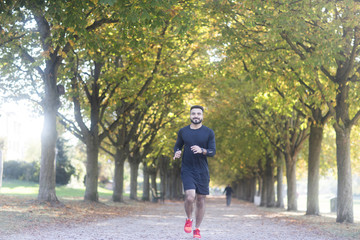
[(20, 124)]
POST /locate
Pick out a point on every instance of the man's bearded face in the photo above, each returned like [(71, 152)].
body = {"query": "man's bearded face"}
[(196, 115)]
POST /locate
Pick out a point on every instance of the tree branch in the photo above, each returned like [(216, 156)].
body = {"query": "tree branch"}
[(100, 22), (292, 45), (355, 119), (107, 151), (27, 57), (77, 109), (69, 125), (327, 73), (331, 108)]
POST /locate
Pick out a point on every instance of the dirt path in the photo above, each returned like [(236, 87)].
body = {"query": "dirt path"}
[(165, 221)]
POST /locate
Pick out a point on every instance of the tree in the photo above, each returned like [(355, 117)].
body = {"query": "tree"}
[(156, 74), (322, 37), (54, 26), (91, 136), (336, 60), (151, 121)]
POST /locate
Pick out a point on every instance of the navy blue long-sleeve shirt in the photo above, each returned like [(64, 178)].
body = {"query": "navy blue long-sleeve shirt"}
[(204, 137)]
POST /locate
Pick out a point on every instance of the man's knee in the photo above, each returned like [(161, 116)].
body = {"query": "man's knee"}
[(190, 196)]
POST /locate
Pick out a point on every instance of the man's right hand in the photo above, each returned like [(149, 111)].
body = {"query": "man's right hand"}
[(177, 154)]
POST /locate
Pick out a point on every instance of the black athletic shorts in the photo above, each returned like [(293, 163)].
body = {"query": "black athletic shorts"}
[(197, 181)]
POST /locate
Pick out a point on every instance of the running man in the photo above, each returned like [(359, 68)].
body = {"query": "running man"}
[(199, 142)]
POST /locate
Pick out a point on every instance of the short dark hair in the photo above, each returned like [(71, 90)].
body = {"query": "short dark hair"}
[(197, 106)]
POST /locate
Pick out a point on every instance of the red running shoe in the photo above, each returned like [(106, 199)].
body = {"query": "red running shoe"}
[(188, 226), (197, 233)]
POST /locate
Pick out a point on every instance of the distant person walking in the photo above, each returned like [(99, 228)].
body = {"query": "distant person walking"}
[(199, 143), (228, 190)]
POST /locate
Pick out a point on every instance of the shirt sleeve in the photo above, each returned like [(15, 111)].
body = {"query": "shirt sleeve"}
[(211, 150), (179, 142)]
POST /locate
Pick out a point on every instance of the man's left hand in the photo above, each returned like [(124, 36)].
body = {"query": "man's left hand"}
[(196, 149)]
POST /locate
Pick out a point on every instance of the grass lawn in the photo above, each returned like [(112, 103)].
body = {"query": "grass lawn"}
[(31, 189)]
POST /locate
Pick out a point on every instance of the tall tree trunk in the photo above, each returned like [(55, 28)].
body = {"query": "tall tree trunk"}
[(92, 169), (315, 140), (47, 182), (252, 191), (269, 182), (134, 168), (1, 168), (146, 183), (169, 189), (175, 183), (176, 178), (118, 177), (50, 105), (164, 162), (165, 186), (263, 192), (279, 180), (178, 186), (153, 180), (234, 187), (343, 129), (243, 190), (344, 193), (237, 189), (248, 190), (291, 182), (259, 179), (295, 137)]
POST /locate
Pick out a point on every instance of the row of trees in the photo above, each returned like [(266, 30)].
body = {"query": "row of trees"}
[(119, 74), (306, 53), (120, 65)]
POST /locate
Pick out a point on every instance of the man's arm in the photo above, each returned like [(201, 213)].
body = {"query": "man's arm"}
[(178, 146), (211, 150)]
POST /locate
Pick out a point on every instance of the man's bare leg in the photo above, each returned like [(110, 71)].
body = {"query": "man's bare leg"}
[(189, 202), (200, 209)]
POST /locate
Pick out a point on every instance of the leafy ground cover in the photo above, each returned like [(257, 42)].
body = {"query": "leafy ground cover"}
[(19, 211), (325, 222)]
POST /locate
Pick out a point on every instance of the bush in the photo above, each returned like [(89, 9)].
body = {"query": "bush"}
[(22, 171), (30, 171), (63, 174), (64, 169)]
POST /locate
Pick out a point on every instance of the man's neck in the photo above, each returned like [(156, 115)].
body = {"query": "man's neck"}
[(195, 126)]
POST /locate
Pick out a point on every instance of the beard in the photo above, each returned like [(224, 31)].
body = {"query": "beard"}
[(196, 121)]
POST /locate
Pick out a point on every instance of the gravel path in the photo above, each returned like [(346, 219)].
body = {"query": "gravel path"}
[(165, 221)]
